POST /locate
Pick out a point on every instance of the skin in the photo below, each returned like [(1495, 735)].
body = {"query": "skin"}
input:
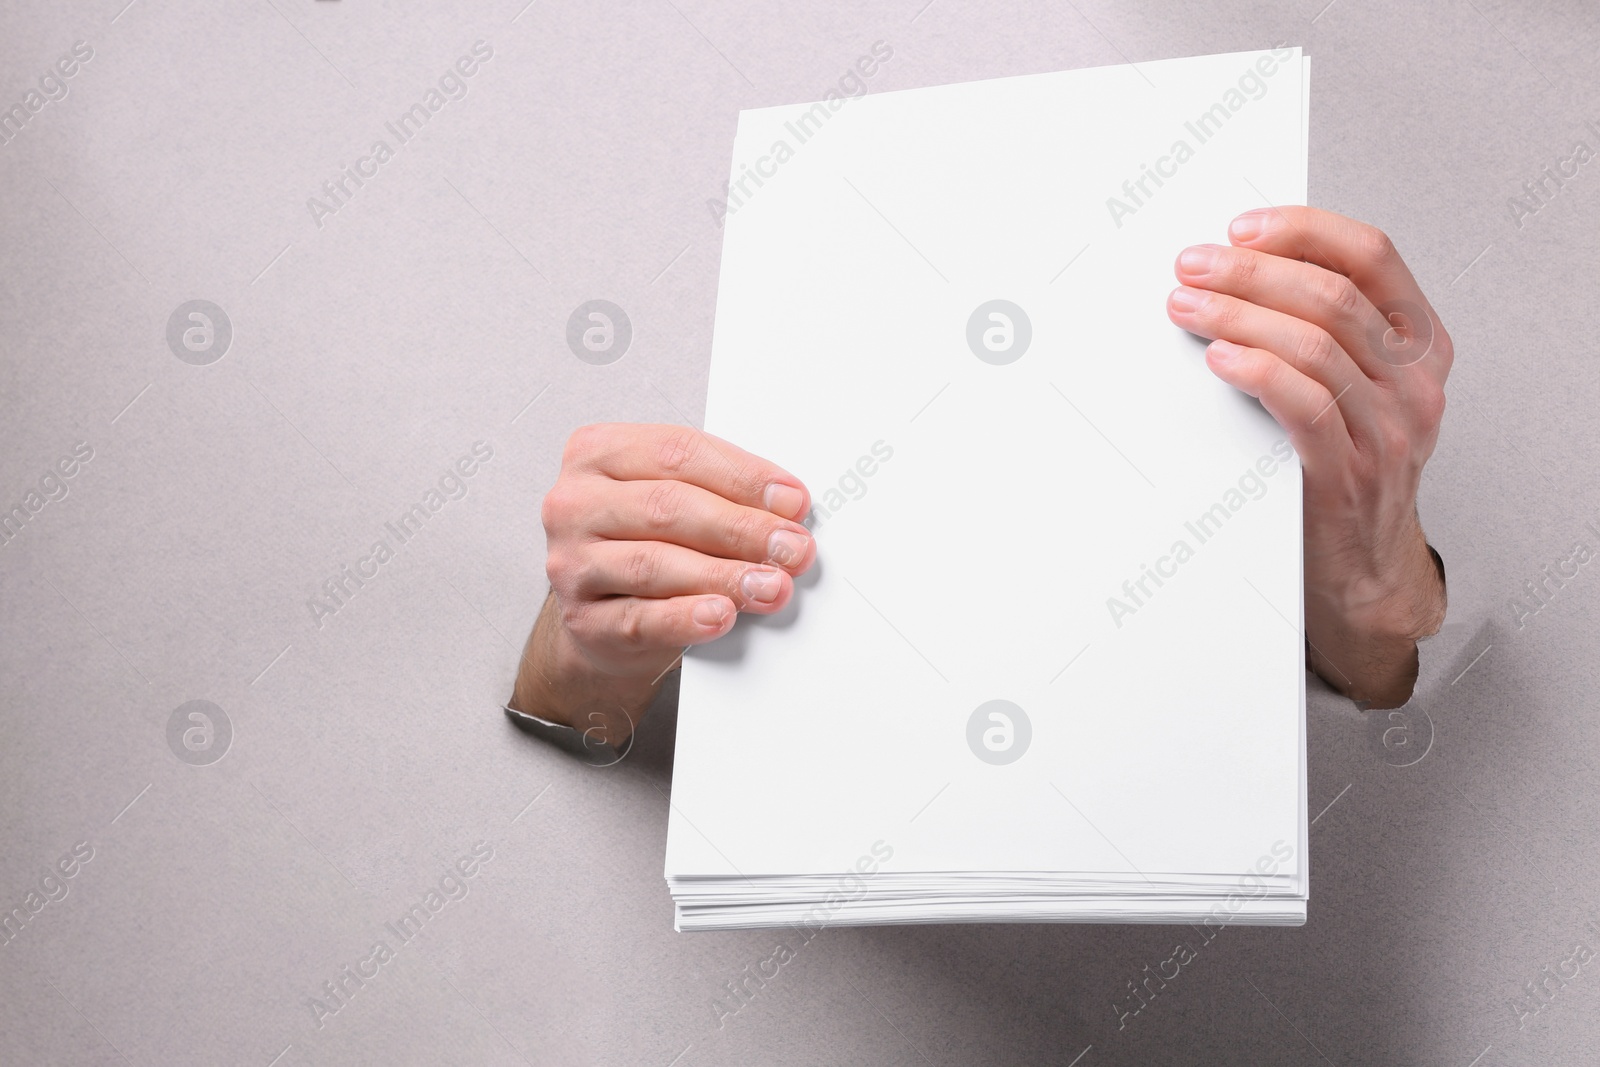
[(1293, 306), (659, 535)]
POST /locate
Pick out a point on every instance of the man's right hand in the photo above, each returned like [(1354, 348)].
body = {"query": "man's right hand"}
[(656, 537)]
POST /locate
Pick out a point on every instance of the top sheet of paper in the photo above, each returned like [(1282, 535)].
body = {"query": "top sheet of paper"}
[(982, 516)]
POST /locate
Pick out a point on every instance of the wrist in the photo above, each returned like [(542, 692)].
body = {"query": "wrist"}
[(557, 682), (1362, 635)]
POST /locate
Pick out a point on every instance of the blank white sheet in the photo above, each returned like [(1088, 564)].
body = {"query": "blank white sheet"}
[(977, 561)]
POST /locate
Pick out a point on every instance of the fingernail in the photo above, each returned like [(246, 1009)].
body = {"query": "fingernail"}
[(1198, 260), (711, 612), (761, 584), (1186, 300), (1223, 351), (784, 500), (785, 547), (1247, 227)]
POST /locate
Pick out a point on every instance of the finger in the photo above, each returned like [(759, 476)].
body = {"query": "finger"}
[(1312, 417), (1305, 347), (696, 518), (1301, 290), (641, 624), (659, 570), (630, 451), (1366, 256)]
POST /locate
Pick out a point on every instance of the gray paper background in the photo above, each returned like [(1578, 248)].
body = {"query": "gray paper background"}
[(368, 354)]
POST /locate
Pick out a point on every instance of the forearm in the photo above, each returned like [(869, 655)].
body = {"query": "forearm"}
[(1363, 641), (555, 681)]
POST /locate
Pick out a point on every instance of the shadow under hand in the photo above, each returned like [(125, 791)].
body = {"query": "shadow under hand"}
[(730, 647)]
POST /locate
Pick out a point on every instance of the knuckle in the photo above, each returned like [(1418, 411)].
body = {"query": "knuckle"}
[(641, 567), (663, 506), (570, 573), (630, 628), (750, 481), (746, 527), (557, 506), (1314, 349), (1373, 245), (585, 443), (557, 566), (1340, 295), (677, 448), (1224, 313), (1244, 267), (724, 578), (1443, 347), (583, 573), (1430, 405)]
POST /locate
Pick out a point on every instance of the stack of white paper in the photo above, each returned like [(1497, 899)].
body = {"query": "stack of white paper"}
[(1049, 664)]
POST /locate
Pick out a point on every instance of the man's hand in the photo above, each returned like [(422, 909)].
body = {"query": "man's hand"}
[(1317, 316), (657, 536)]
